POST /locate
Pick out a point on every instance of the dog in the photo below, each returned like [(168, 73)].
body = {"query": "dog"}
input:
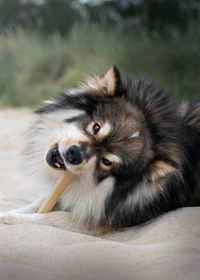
[(135, 153)]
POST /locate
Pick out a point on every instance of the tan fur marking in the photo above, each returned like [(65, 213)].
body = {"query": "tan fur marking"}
[(69, 142), (104, 167), (109, 81), (54, 145), (161, 169), (112, 158), (105, 130), (77, 169), (171, 152)]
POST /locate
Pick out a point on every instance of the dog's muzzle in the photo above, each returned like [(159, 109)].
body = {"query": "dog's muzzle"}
[(72, 155)]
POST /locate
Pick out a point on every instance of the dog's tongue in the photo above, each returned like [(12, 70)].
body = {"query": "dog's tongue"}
[(59, 159)]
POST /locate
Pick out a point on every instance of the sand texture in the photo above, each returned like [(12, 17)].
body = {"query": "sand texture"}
[(168, 248)]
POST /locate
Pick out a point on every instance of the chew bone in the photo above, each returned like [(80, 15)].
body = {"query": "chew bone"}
[(54, 195)]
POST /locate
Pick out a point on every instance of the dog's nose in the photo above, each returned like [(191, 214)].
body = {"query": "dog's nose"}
[(73, 155)]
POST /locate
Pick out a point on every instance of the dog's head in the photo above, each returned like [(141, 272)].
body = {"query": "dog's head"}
[(117, 127)]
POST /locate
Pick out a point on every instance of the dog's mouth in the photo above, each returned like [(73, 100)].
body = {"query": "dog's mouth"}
[(54, 159)]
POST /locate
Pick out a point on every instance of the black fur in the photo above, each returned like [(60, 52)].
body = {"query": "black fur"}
[(82, 101)]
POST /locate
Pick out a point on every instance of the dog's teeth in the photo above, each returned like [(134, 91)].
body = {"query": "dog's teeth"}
[(57, 164)]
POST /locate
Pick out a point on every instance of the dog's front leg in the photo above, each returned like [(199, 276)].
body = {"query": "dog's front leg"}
[(59, 219), (33, 207), (28, 214), (27, 209)]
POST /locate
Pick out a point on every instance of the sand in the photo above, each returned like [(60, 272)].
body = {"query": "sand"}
[(168, 248)]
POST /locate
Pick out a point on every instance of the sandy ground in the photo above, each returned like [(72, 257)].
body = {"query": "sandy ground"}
[(168, 248), (13, 126)]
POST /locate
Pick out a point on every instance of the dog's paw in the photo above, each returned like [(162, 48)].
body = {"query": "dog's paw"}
[(4, 217), (7, 218), (1, 217), (12, 218)]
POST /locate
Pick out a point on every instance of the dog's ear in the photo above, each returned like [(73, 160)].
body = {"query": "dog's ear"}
[(111, 81), (107, 84)]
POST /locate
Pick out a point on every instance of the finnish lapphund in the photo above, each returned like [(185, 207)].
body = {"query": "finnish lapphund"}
[(135, 153)]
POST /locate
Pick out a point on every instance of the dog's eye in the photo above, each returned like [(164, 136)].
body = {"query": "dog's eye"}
[(96, 128), (106, 162)]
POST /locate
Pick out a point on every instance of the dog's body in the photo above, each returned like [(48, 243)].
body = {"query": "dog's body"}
[(135, 153)]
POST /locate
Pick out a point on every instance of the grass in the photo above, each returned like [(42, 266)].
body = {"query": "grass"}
[(33, 68)]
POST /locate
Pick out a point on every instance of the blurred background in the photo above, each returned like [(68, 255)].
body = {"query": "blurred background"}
[(48, 45)]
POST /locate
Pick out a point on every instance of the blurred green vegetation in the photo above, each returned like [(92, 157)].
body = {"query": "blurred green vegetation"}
[(36, 64)]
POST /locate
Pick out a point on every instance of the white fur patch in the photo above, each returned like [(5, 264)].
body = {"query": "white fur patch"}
[(134, 135), (47, 130), (49, 102), (69, 136), (85, 198), (71, 133), (74, 91)]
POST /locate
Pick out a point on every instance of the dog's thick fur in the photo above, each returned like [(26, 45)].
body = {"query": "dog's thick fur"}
[(140, 151)]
